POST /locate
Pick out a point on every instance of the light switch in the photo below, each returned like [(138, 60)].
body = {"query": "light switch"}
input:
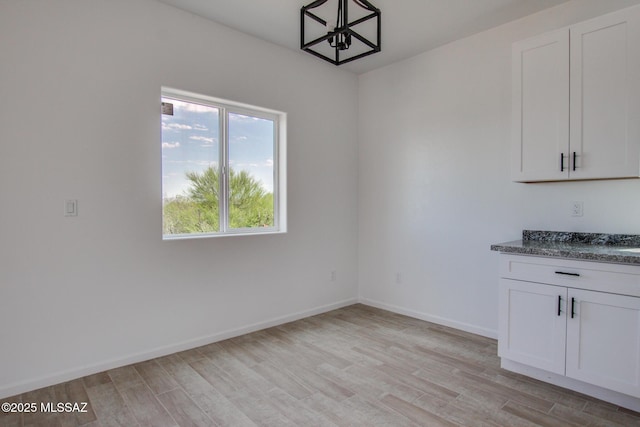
[(70, 208)]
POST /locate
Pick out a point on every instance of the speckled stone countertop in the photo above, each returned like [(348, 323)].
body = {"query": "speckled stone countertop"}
[(615, 248)]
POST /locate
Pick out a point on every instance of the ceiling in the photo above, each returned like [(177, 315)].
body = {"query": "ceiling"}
[(409, 27)]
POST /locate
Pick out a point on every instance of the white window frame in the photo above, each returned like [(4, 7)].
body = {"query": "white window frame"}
[(227, 107)]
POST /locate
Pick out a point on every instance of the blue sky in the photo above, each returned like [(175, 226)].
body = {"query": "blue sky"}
[(190, 143)]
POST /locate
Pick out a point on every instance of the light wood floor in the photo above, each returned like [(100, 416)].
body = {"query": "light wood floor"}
[(357, 366)]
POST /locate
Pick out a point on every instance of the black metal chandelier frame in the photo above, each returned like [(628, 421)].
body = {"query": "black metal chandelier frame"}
[(340, 37)]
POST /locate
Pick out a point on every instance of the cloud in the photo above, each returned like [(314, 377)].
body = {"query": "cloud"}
[(203, 138), (197, 108), (175, 126), (238, 139), (193, 162), (243, 165), (268, 163), (200, 127), (170, 145), (234, 117)]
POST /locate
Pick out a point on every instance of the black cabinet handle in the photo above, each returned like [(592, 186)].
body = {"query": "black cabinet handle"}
[(561, 162), (574, 161), (568, 274), (573, 306), (559, 304)]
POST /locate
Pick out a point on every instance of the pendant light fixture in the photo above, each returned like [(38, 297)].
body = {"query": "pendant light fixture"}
[(326, 32)]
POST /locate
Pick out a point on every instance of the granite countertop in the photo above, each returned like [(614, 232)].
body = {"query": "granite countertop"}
[(614, 248)]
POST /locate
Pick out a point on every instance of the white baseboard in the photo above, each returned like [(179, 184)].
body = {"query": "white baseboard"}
[(610, 396), (467, 327), (68, 375)]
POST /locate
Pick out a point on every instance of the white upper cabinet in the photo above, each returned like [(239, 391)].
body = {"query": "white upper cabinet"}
[(540, 107), (605, 96), (576, 101)]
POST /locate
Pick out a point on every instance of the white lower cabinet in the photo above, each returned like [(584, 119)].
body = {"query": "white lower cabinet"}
[(569, 326), (603, 340), (531, 331)]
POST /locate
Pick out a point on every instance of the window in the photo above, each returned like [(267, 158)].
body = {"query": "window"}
[(223, 167)]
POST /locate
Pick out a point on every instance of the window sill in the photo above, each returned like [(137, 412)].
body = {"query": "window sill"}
[(169, 237)]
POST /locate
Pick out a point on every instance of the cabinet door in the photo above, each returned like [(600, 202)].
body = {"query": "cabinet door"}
[(603, 340), (533, 324), (605, 96), (540, 108)]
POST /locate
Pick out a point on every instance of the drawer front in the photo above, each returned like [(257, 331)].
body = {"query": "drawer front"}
[(603, 277)]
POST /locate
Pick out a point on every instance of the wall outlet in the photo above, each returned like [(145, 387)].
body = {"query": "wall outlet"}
[(577, 208), (398, 278), (333, 276)]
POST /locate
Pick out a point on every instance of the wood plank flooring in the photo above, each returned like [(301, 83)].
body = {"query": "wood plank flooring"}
[(357, 366)]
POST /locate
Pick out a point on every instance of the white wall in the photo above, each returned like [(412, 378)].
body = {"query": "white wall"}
[(434, 181), (79, 119)]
